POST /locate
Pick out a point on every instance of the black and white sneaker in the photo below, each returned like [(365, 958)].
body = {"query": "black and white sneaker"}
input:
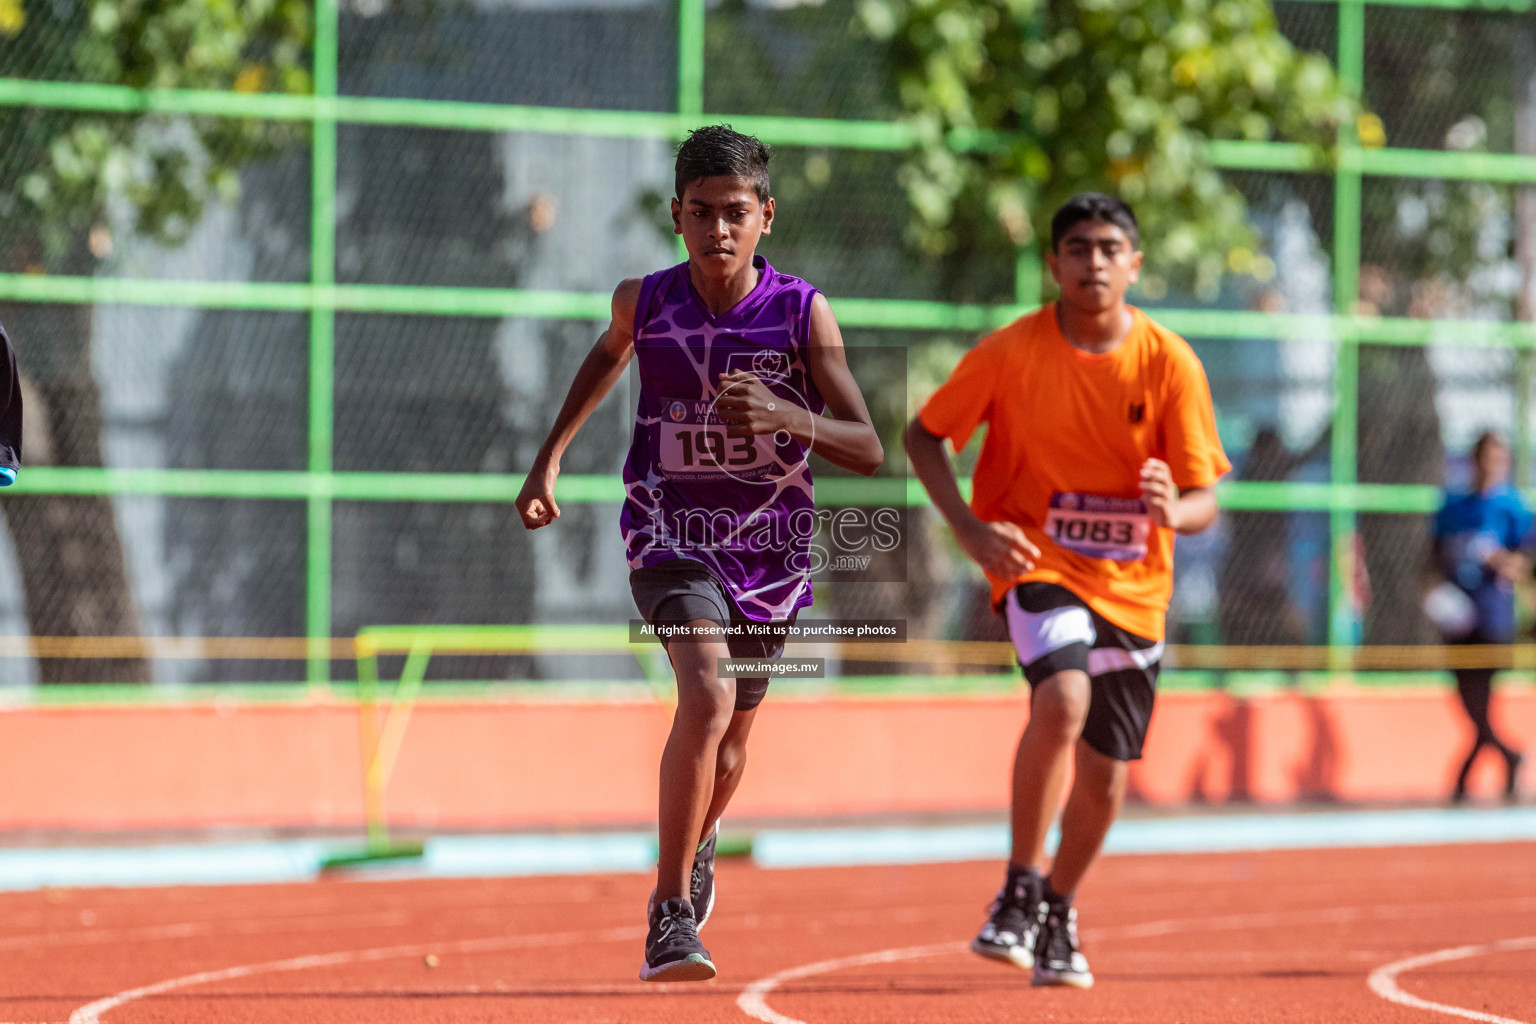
[(1013, 921), (1058, 960), (701, 880), (673, 951)]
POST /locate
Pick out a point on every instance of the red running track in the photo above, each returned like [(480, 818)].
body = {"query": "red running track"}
[(1235, 938)]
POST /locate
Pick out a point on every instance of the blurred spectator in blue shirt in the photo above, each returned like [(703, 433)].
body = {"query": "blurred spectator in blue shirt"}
[(1479, 549)]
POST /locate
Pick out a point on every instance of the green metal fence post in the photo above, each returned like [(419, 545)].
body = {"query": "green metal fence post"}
[(690, 74), (1522, 438), (1343, 625), (690, 57), (1027, 268), (1525, 240), (322, 347)]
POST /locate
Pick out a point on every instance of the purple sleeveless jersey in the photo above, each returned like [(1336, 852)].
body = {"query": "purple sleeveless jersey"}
[(743, 506)]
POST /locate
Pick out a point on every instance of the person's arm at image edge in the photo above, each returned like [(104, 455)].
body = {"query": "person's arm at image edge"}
[(10, 417)]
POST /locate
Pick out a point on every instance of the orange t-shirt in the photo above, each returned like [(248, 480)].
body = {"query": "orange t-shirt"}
[(1067, 434)]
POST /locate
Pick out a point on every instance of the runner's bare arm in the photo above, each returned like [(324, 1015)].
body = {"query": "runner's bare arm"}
[(596, 377), (1191, 510), (1000, 548), (847, 438)]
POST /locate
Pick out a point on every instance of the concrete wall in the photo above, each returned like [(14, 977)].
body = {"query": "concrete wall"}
[(491, 764)]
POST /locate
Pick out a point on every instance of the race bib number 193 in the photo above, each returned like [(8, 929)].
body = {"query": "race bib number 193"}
[(704, 449), (1099, 527)]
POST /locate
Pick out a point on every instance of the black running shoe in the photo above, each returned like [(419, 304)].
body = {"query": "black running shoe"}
[(701, 880), (673, 951), (1058, 960), (1013, 921)]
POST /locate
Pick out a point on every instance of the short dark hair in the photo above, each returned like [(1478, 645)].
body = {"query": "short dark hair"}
[(1094, 206), (1484, 440), (718, 151)]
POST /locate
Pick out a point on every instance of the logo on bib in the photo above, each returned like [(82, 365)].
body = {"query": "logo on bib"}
[(770, 366), (678, 411)]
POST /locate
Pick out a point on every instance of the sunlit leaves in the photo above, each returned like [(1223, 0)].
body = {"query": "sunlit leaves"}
[(64, 166), (1115, 95), (13, 18)]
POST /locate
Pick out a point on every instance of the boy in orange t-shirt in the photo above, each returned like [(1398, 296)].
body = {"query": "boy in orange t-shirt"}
[(1101, 445)]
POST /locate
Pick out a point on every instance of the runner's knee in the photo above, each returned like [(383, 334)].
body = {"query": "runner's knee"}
[(1058, 707), (730, 759), (705, 700), (1099, 778)]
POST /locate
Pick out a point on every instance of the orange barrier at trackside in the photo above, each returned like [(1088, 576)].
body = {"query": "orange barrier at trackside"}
[(503, 764)]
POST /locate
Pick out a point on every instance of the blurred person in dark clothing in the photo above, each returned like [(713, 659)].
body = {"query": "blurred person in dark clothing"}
[(1480, 544)]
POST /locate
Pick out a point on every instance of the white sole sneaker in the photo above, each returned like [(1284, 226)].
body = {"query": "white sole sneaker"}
[(1018, 956), (696, 967), (1047, 978)]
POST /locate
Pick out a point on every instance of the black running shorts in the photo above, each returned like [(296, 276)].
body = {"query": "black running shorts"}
[(684, 590), (1052, 629)]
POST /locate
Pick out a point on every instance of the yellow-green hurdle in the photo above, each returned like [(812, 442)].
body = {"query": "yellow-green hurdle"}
[(382, 722), (380, 742)]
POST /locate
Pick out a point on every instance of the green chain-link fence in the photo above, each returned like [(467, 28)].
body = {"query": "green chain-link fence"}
[(364, 350)]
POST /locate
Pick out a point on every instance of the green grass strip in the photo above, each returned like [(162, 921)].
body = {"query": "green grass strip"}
[(1172, 681)]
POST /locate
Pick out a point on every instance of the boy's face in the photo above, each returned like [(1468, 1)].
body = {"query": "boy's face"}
[(1493, 463), (721, 220), (1094, 264)]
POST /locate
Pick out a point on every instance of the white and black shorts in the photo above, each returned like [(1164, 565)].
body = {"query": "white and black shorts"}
[(1053, 629)]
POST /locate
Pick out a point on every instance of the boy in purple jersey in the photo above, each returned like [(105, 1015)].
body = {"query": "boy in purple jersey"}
[(738, 364)]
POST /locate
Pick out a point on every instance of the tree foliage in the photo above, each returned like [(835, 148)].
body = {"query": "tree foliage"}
[(65, 177), (1022, 103), (1444, 80), (62, 167)]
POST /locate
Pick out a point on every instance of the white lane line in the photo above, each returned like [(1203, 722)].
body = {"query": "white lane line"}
[(754, 998), (91, 1013), (193, 929), (1383, 980)]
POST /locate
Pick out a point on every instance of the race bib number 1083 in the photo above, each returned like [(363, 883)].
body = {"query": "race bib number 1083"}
[(1099, 527)]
